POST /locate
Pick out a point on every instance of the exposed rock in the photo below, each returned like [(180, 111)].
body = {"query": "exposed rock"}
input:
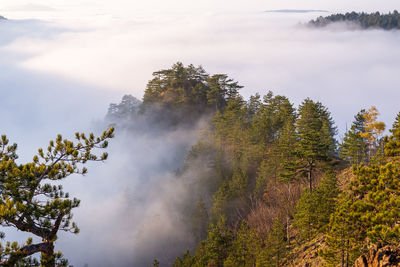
[(307, 254), (384, 257)]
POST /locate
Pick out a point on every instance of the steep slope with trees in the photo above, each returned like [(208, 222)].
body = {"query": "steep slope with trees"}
[(269, 181)]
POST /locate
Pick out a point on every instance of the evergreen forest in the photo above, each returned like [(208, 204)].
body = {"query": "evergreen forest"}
[(388, 21), (273, 184)]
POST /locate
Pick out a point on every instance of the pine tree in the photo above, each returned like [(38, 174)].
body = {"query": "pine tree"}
[(314, 209), (186, 261), (392, 146), (316, 143), (344, 238), (221, 89), (275, 250), (199, 221), (274, 131), (216, 248), (220, 202), (367, 214), (245, 248), (354, 147), (31, 202)]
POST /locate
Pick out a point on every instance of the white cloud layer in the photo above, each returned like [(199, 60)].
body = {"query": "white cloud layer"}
[(344, 68)]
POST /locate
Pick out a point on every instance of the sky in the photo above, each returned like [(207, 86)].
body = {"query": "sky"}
[(63, 62), (127, 8)]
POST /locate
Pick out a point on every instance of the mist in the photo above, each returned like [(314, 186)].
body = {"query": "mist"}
[(131, 209), (340, 66), (58, 76)]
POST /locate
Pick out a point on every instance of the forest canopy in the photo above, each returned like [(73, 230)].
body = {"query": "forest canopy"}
[(388, 21)]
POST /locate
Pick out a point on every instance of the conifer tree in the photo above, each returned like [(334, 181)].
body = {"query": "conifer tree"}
[(345, 237), (392, 146), (216, 248), (245, 248), (199, 221), (273, 128), (31, 202), (354, 147), (220, 202), (314, 209), (367, 214), (275, 250), (186, 261), (316, 143), (238, 184), (221, 89)]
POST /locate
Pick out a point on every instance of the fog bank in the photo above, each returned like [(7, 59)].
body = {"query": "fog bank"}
[(59, 77)]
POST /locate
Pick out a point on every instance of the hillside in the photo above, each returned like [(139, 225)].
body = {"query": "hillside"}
[(270, 185)]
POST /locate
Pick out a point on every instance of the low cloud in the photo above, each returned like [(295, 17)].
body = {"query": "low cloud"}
[(345, 68), (60, 78)]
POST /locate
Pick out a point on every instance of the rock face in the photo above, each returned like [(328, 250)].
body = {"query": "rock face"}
[(387, 256), (307, 254)]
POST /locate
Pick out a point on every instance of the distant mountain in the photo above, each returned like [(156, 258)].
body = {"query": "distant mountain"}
[(295, 11), (1, 18)]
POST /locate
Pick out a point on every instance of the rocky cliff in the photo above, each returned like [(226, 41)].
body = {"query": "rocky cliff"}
[(387, 256)]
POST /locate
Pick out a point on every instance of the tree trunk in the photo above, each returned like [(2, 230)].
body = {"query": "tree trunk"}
[(46, 249), (47, 258), (287, 229), (310, 177)]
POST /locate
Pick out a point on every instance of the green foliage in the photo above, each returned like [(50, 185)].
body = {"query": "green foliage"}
[(230, 129), (275, 251), (354, 147), (125, 110), (199, 221), (374, 20), (392, 146), (314, 209), (344, 238), (31, 202), (188, 91), (273, 128), (216, 248), (238, 184), (369, 212), (186, 261), (315, 141), (231, 196), (220, 201), (252, 163), (377, 202), (245, 248)]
